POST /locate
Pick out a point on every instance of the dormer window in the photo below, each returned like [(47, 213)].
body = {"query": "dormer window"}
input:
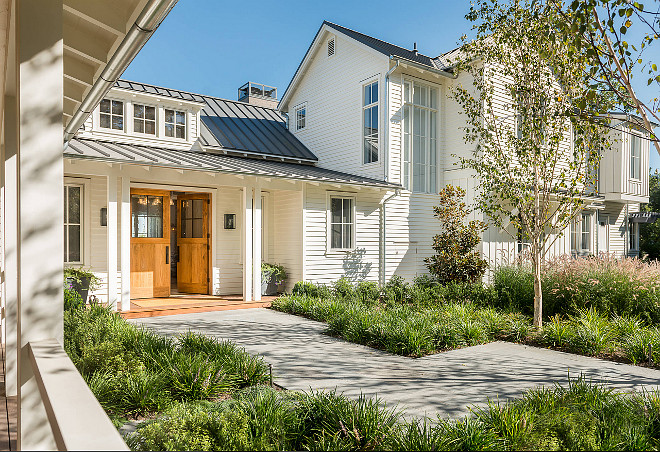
[(144, 119), (112, 114), (175, 123)]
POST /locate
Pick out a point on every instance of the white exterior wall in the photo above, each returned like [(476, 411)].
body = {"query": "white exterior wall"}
[(332, 91), (286, 240)]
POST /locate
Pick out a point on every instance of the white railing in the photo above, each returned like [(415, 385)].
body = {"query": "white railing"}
[(76, 418)]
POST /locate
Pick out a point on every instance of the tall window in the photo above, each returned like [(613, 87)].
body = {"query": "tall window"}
[(635, 156), (300, 117), (370, 123), (147, 216), (581, 234), (144, 119), (420, 159), (175, 123), (112, 114), (633, 234), (73, 224), (342, 223)]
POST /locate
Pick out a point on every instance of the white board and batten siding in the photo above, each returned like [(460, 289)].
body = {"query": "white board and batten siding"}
[(331, 90)]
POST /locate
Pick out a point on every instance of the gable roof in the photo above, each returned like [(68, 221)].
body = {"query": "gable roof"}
[(236, 127), (442, 63)]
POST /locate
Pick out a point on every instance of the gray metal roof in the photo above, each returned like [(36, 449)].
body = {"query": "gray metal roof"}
[(208, 161), (236, 126)]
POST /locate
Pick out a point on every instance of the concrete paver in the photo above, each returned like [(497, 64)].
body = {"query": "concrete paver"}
[(444, 384)]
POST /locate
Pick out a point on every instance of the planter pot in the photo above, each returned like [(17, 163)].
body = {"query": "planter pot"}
[(81, 287), (268, 286)]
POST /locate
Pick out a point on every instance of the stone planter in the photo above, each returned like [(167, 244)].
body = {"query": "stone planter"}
[(268, 286)]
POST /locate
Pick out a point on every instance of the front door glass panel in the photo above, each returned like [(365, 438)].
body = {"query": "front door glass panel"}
[(192, 218), (147, 216)]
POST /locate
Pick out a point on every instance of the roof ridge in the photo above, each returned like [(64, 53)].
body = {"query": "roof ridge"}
[(196, 94), (372, 37)]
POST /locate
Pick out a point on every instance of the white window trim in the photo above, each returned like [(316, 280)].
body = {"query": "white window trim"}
[(156, 120), (576, 228), (632, 136), (437, 110), (632, 225), (374, 79), (295, 117), (86, 219), (187, 123), (328, 223), (96, 123)]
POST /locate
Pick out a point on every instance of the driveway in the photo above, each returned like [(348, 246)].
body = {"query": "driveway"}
[(444, 384)]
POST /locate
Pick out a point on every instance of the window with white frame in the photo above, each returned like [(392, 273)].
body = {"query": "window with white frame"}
[(111, 114), (73, 214), (341, 223), (300, 116), (635, 156), (633, 235), (175, 123), (581, 234), (370, 122), (144, 119), (420, 116)]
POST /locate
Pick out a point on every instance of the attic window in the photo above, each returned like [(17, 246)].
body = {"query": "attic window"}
[(331, 47)]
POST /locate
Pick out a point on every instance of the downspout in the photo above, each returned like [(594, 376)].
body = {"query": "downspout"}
[(384, 244), (386, 151), (146, 24)]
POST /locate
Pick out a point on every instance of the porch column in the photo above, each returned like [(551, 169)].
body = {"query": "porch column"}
[(256, 246), (125, 241), (112, 241), (247, 239), (40, 73)]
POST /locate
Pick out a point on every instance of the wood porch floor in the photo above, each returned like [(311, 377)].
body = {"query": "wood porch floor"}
[(188, 304)]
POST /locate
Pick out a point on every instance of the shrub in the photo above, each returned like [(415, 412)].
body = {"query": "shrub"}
[(642, 344), (395, 289), (72, 299), (367, 291), (455, 257), (310, 289), (343, 288)]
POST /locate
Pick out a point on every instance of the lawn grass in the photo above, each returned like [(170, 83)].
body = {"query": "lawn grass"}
[(577, 416), (418, 329)]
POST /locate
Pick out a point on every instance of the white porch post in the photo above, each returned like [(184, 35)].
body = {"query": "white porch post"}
[(112, 241), (247, 236), (125, 244), (39, 47), (256, 246)]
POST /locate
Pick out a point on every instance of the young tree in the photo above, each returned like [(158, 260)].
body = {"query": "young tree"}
[(616, 37), (455, 259), (526, 103)]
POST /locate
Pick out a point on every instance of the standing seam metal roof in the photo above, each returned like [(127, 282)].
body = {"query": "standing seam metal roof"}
[(206, 161), (236, 126)]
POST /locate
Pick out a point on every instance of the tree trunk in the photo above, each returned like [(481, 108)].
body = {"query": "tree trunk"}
[(538, 294)]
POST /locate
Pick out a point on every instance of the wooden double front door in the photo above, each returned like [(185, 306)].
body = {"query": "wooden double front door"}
[(151, 241)]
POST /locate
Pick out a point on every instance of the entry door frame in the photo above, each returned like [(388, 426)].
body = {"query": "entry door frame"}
[(214, 271), (207, 233)]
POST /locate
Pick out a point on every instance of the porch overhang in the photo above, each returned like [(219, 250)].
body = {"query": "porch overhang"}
[(121, 153)]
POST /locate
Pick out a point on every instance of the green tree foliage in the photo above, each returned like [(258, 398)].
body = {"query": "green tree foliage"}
[(649, 233), (523, 98), (455, 259)]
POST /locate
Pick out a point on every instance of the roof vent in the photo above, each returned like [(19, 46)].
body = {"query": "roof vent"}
[(258, 94), (331, 47), (415, 48)]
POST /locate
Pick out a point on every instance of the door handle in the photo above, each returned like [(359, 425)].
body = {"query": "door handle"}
[(167, 254)]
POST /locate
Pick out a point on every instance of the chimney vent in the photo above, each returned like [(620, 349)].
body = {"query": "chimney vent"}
[(415, 48), (258, 94)]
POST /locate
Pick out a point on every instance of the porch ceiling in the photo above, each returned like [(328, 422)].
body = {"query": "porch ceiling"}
[(204, 161)]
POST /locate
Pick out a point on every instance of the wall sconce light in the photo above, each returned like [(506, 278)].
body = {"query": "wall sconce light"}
[(230, 221), (104, 216)]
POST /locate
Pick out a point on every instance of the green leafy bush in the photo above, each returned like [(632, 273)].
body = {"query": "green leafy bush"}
[(72, 299)]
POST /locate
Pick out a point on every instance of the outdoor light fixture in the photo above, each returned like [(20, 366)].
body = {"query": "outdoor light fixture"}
[(104, 216), (230, 221)]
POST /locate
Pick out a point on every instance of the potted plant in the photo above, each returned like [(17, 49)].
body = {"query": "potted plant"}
[(81, 281), (273, 277)]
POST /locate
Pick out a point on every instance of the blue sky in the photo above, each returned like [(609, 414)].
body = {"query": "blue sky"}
[(213, 47)]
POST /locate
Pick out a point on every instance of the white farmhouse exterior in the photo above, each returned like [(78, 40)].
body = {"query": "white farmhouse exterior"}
[(173, 191)]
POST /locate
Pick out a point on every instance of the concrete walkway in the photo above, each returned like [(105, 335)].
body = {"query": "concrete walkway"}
[(446, 384)]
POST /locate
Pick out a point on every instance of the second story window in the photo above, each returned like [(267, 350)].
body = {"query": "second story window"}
[(420, 154), (144, 119), (635, 157), (112, 114), (175, 123), (370, 123), (300, 117)]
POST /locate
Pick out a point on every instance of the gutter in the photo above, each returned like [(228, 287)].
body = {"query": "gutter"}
[(146, 24), (386, 150), (424, 67), (397, 192)]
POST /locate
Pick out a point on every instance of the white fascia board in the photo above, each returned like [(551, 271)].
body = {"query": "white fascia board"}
[(193, 105), (309, 56)]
